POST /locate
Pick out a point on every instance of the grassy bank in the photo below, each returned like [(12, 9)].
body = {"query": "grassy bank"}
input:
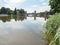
[(53, 31)]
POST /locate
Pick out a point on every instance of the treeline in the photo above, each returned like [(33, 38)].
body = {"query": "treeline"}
[(8, 11), (55, 6), (42, 14)]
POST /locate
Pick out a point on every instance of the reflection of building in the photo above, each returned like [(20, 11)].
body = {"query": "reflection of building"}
[(35, 15)]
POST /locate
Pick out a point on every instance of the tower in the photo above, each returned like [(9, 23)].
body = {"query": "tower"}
[(34, 15)]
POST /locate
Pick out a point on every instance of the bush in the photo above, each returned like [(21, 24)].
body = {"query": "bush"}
[(52, 25), (10, 12)]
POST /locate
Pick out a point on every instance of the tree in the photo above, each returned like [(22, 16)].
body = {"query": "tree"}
[(15, 11), (7, 9), (22, 12), (0, 11), (55, 6), (10, 12), (42, 14), (3, 10)]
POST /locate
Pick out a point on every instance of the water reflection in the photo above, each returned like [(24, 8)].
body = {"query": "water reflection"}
[(18, 30), (4, 19), (8, 18), (16, 18), (34, 17)]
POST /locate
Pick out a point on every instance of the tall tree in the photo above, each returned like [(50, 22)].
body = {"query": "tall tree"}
[(3, 10), (10, 12), (22, 11), (55, 6), (0, 11), (7, 9), (15, 11)]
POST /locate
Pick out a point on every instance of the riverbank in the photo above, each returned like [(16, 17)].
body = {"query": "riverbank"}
[(53, 30), (3, 15)]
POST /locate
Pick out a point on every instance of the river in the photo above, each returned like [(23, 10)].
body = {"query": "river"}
[(22, 31)]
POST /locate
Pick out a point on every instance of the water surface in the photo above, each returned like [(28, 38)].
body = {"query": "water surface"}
[(21, 30)]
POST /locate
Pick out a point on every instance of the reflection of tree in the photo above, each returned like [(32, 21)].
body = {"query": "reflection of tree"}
[(18, 18), (22, 12), (42, 14), (4, 19), (8, 18)]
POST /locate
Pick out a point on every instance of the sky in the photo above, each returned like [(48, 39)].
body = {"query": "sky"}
[(28, 5)]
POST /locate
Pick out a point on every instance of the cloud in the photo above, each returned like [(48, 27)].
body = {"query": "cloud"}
[(34, 6), (44, 0), (44, 3), (13, 1), (26, 5), (41, 0), (37, 8)]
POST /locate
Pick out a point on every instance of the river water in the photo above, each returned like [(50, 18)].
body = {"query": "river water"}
[(22, 31)]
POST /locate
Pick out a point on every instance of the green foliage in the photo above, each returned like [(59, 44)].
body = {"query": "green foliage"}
[(55, 6), (52, 25), (0, 11), (42, 14), (15, 11), (4, 10), (56, 40), (10, 12), (22, 12)]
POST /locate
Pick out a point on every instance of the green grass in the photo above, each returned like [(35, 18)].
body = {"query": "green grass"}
[(52, 26)]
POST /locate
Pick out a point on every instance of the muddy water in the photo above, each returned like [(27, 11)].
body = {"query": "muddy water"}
[(22, 32)]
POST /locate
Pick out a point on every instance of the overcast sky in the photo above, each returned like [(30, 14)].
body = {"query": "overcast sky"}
[(28, 5)]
